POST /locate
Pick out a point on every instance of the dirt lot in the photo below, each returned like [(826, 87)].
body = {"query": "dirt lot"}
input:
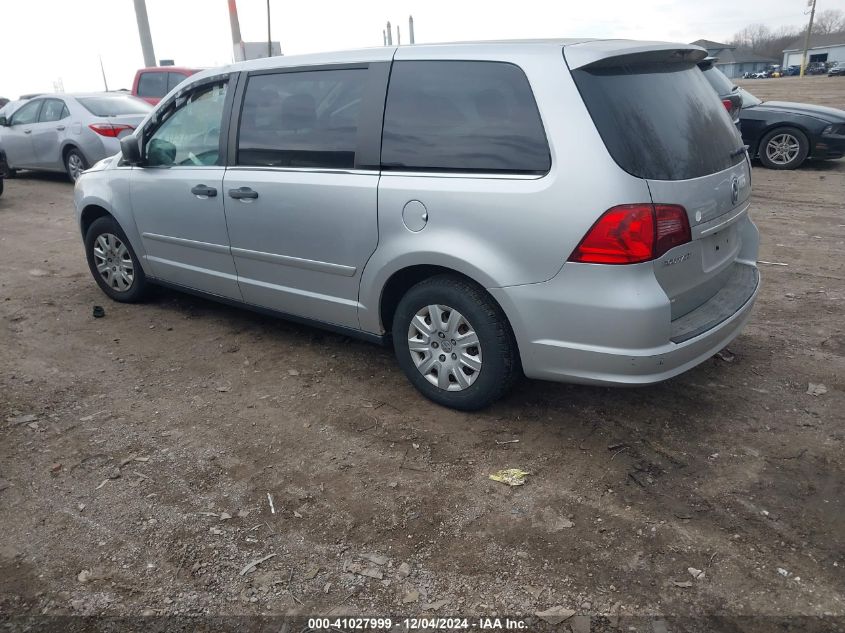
[(139, 453), (818, 89)]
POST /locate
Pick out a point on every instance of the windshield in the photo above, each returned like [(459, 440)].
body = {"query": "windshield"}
[(660, 121), (114, 106), (748, 99)]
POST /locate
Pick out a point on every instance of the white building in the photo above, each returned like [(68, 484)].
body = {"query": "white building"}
[(829, 47)]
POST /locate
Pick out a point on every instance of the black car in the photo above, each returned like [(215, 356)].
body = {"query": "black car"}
[(727, 91), (4, 169), (783, 134)]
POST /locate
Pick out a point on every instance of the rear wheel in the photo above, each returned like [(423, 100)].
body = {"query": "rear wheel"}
[(113, 262), (75, 164), (784, 148), (454, 343)]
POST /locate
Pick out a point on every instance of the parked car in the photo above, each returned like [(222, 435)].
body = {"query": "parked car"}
[(65, 132), (151, 84), (783, 134), (724, 87), (816, 68), (4, 169), (793, 70), (837, 70), (429, 196)]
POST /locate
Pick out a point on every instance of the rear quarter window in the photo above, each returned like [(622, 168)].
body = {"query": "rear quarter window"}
[(153, 84), (462, 116), (660, 121)]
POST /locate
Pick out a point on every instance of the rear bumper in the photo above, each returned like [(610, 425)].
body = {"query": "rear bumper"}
[(613, 327)]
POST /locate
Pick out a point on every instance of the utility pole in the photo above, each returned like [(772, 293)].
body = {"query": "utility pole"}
[(389, 34), (144, 33), (411, 28), (237, 40), (812, 5), (398, 36), (269, 40)]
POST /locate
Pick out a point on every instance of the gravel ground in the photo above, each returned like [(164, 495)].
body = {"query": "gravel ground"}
[(148, 457)]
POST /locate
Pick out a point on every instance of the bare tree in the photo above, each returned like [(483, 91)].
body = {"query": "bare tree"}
[(829, 21), (766, 42)]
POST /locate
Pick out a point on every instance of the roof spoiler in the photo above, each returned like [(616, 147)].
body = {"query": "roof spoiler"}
[(609, 53)]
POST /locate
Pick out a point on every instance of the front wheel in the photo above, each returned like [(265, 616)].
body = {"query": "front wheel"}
[(113, 262), (784, 148), (454, 343)]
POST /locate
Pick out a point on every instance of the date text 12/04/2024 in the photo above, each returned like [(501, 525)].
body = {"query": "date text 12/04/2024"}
[(445, 624)]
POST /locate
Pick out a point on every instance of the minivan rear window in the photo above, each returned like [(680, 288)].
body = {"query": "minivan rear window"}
[(660, 121), (716, 78), (464, 116)]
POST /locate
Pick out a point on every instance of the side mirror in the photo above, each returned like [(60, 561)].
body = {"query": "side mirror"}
[(4, 121), (131, 149)]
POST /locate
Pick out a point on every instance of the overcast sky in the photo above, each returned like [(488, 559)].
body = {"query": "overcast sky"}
[(42, 41)]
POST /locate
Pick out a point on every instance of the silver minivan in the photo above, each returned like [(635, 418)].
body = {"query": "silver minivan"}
[(570, 210)]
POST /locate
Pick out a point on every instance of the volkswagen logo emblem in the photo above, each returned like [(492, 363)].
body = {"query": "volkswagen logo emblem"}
[(735, 190)]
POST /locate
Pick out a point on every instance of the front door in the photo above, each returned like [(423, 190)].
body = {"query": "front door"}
[(51, 126), (177, 195), (300, 199), (17, 137)]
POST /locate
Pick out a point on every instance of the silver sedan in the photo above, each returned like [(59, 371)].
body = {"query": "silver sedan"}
[(68, 133)]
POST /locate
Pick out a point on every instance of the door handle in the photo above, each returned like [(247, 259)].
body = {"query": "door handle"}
[(204, 191), (243, 193), (27, 131), (60, 128)]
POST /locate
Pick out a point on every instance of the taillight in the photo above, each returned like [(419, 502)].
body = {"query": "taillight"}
[(111, 130), (633, 233), (729, 105)]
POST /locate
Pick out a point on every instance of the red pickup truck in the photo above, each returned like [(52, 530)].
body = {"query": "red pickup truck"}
[(151, 84)]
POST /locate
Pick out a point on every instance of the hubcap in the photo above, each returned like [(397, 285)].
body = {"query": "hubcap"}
[(75, 166), (113, 262), (444, 347), (782, 149)]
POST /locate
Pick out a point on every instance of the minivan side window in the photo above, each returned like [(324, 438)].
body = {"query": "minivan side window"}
[(152, 84), (190, 133), (463, 116), (301, 119), (53, 110)]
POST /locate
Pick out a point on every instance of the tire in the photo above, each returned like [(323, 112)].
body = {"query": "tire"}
[(496, 354), (1, 186), (75, 164), (784, 148), (104, 240)]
